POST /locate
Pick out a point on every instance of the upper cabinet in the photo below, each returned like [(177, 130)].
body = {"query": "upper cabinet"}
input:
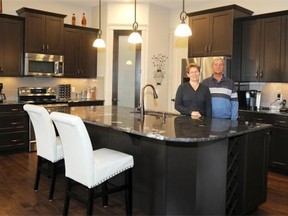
[(11, 45), (44, 31), (284, 50), (212, 31), (79, 54), (264, 48)]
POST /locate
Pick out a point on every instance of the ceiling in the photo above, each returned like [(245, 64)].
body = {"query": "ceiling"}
[(163, 3)]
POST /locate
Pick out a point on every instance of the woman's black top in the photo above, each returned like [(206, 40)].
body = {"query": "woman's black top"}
[(188, 100)]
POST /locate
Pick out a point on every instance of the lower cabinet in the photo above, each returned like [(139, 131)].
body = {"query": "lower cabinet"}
[(13, 128), (247, 172), (278, 157), (278, 152)]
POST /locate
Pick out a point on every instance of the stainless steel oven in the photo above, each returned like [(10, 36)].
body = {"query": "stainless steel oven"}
[(42, 96)]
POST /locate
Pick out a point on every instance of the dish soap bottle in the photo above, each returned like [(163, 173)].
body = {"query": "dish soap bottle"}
[(84, 21), (73, 19)]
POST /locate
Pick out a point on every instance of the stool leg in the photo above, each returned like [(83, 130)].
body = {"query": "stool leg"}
[(104, 198), (38, 172), (53, 179), (90, 201), (128, 191), (67, 196)]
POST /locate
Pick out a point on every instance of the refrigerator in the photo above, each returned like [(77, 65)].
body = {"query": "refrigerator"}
[(205, 65)]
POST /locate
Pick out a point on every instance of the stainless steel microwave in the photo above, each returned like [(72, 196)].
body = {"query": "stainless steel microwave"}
[(43, 65)]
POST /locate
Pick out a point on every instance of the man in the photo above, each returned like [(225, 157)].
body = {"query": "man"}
[(223, 92)]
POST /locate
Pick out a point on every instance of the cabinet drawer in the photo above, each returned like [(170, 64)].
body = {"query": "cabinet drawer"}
[(13, 140), (10, 109), (13, 123)]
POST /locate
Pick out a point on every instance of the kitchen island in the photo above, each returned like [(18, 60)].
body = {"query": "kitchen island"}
[(186, 166)]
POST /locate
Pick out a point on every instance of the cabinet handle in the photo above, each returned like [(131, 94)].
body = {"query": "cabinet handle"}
[(47, 48), (206, 48), (1, 69), (261, 74), (15, 110), (78, 71), (279, 163), (210, 48), (256, 74), (16, 123), (15, 140), (43, 48)]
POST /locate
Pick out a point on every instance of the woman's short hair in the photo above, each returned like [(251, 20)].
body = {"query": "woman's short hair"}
[(191, 65)]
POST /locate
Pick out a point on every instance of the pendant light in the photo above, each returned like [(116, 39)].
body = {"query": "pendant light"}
[(183, 30), (135, 37), (99, 42)]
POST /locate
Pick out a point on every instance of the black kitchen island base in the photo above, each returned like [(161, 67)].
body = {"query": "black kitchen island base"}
[(218, 177)]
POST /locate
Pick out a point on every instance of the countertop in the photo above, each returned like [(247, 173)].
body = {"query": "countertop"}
[(266, 111), (69, 102), (170, 127)]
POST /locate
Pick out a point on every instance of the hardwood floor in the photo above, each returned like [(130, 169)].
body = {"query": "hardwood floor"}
[(17, 197)]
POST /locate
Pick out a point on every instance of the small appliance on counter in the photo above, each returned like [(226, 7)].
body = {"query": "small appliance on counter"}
[(249, 100), (283, 107), (2, 96), (64, 92)]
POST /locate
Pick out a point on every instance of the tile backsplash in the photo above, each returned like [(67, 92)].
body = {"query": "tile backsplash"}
[(269, 93), (11, 84)]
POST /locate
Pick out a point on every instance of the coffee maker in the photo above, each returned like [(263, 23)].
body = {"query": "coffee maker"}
[(2, 96), (253, 98)]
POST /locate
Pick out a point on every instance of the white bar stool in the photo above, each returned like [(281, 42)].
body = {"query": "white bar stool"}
[(90, 168), (49, 147)]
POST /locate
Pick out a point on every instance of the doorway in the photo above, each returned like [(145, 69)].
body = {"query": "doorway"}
[(126, 70)]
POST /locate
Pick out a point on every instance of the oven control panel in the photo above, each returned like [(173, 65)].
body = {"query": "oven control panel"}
[(37, 91)]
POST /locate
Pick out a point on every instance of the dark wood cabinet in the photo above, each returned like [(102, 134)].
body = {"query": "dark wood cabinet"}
[(13, 128), (43, 31), (278, 158), (79, 54), (247, 172), (212, 31), (11, 45), (208, 39), (284, 52), (261, 49)]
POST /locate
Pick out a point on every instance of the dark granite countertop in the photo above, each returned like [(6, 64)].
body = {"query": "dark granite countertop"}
[(265, 111), (11, 102), (172, 127)]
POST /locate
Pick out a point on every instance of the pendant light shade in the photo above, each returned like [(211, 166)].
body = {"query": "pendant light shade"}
[(135, 37), (99, 42), (183, 30)]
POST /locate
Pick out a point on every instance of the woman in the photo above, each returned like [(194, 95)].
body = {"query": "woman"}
[(193, 98)]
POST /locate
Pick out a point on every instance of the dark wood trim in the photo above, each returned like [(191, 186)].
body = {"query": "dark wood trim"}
[(228, 7), (22, 11)]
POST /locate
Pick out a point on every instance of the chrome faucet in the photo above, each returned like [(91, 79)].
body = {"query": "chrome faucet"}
[(142, 109)]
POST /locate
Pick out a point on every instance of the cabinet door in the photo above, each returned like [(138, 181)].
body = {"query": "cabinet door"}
[(71, 52), (261, 50), (54, 35), (1, 47), (11, 47), (270, 49), (255, 180), (88, 55), (284, 54), (279, 148), (250, 50), (198, 42), (34, 33), (221, 32)]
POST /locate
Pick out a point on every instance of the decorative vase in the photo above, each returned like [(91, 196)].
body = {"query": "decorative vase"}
[(158, 76)]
